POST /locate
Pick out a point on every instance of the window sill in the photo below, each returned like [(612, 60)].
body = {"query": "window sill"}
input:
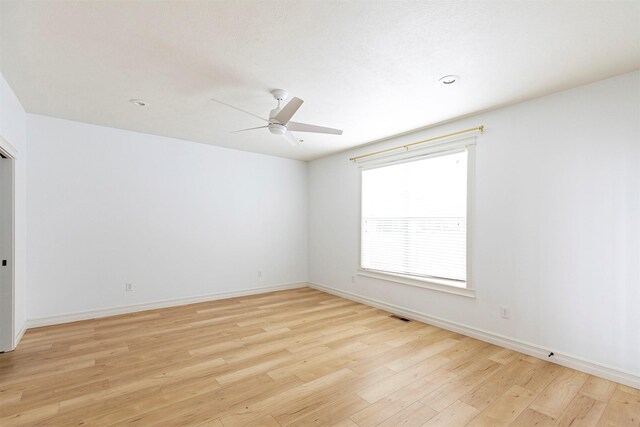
[(441, 285)]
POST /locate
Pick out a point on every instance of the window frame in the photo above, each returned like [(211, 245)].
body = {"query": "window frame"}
[(431, 151)]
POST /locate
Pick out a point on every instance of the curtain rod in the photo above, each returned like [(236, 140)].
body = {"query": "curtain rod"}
[(406, 146)]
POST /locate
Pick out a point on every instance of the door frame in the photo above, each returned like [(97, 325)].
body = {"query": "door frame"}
[(9, 152)]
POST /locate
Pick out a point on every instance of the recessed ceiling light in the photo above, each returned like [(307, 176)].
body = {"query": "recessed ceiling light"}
[(449, 80), (138, 102)]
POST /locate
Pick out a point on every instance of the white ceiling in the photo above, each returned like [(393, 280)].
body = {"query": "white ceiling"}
[(370, 67)]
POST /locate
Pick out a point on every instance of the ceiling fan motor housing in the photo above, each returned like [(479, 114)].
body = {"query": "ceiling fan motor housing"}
[(274, 113)]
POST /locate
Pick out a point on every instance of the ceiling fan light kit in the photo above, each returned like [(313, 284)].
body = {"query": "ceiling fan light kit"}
[(279, 122), (277, 129)]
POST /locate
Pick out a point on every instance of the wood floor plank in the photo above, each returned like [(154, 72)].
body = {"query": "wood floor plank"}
[(623, 410), (415, 415), (504, 356), (397, 401), (583, 411), (299, 357), (598, 388), (346, 423), (509, 406), (464, 382), (330, 413), (485, 394), (559, 393), (457, 414), (210, 423), (325, 403), (377, 391), (533, 418), (299, 396), (627, 389), (482, 420)]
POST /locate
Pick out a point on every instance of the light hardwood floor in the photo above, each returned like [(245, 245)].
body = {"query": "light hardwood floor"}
[(299, 357)]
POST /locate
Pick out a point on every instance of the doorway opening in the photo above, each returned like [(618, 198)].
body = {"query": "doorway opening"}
[(7, 246)]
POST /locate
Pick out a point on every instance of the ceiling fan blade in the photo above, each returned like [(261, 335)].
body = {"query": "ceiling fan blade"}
[(239, 109), (291, 139), (303, 127), (242, 130), (288, 111)]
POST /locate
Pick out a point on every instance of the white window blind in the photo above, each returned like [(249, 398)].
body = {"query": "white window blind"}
[(414, 218)]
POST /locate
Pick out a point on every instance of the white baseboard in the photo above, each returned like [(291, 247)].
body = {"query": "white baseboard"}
[(18, 337), (577, 363), (113, 311)]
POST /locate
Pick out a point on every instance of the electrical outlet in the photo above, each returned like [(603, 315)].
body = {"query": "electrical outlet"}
[(353, 278), (259, 273), (505, 312), (128, 287)]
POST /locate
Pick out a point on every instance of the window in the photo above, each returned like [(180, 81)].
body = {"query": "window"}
[(414, 218)]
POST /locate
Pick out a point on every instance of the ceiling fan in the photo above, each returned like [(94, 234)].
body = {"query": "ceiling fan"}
[(279, 122)]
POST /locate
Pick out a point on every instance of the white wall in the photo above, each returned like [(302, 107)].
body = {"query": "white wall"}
[(556, 228), (13, 127), (175, 218)]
